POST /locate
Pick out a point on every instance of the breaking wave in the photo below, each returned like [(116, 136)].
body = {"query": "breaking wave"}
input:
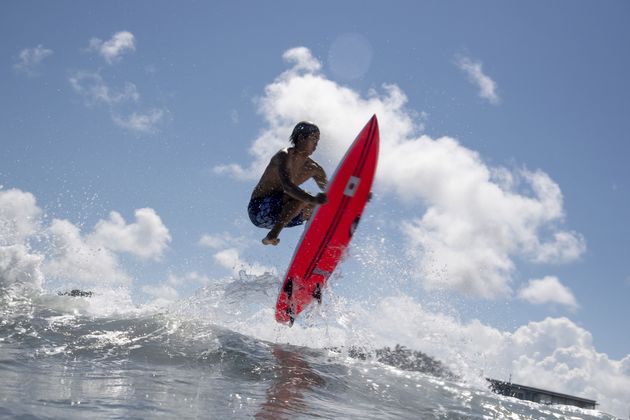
[(220, 353)]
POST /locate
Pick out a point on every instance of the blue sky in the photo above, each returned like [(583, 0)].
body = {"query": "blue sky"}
[(502, 192)]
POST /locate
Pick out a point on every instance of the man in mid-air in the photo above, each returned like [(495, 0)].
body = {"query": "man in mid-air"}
[(277, 200)]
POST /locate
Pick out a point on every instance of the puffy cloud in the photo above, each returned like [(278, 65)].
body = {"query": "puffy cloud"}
[(473, 69), (30, 59), (339, 111), (554, 353), (474, 226), (146, 238), (66, 253), (474, 219), (93, 258), (228, 254), (76, 258), (302, 59), (19, 216), (548, 290), (564, 247), (112, 50), (557, 351)]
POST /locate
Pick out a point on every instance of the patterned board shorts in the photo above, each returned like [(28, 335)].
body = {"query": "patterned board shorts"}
[(264, 212)]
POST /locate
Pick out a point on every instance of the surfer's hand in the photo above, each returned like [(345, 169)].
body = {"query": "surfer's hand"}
[(321, 198)]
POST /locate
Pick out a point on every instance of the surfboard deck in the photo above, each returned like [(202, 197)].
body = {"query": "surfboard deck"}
[(330, 229)]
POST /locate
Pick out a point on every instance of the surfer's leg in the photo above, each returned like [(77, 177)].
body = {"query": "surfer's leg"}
[(290, 209), (307, 211)]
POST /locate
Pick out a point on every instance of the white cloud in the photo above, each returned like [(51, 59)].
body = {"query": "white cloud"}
[(76, 258), (554, 353), (30, 59), (474, 226), (302, 59), (213, 241), (92, 259), (340, 113), (95, 90), (112, 50), (221, 240), (67, 254), (548, 290), (92, 87), (146, 238), (234, 170), (487, 86), (564, 247), (557, 351), (230, 258), (473, 219), (141, 122), (228, 254), (19, 216)]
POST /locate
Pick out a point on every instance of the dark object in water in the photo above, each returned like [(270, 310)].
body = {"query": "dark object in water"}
[(538, 395), (403, 358), (76, 293)]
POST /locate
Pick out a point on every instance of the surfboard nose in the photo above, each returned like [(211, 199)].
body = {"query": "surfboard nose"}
[(373, 120)]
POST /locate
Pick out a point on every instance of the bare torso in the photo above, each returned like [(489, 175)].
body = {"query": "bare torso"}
[(294, 167)]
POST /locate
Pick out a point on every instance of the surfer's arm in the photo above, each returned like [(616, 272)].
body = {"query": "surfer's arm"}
[(288, 186), (320, 176)]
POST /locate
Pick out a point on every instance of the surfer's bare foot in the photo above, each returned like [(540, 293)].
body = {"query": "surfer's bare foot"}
[(270, 241)]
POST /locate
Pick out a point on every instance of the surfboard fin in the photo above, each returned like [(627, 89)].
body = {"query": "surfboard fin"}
[(317, 293), (291, 315), (288, 288), (354, 225)]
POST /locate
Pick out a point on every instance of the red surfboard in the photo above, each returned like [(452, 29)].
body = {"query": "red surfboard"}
[(331, 227)]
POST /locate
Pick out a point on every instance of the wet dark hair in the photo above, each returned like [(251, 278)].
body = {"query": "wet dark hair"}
[(302, 130)]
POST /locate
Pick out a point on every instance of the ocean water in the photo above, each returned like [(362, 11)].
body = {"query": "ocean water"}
[(219, 354)]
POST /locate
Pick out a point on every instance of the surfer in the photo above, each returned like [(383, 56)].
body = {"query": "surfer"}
[(277, 200)]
